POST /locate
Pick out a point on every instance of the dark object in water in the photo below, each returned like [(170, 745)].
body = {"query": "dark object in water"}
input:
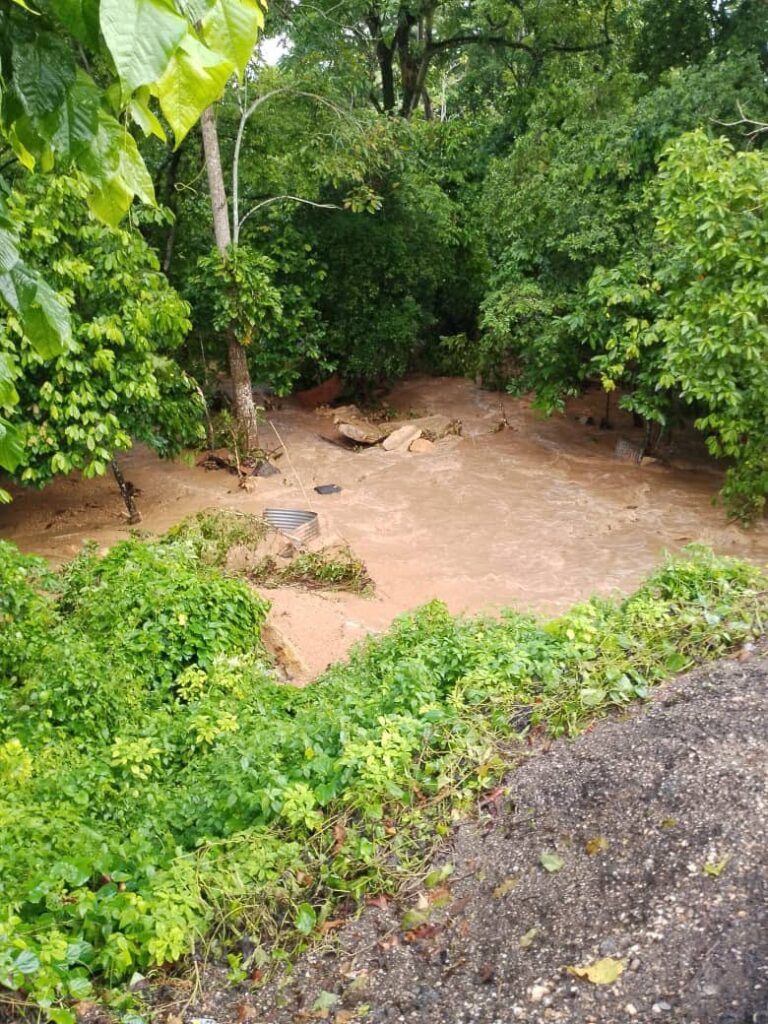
[(629, 452), (328, 489)]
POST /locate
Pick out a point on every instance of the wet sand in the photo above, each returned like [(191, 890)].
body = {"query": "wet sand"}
[(536, 516)]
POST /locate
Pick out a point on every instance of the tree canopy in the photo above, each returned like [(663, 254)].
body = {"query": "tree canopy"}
[(479, 188)]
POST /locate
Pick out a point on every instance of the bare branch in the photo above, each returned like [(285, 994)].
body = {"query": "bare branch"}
[(449, 44), (244, 118), (757, 128), (293, 199)]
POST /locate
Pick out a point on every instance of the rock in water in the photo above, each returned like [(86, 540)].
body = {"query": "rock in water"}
[(422, 446), (361, 431), (401, 439)]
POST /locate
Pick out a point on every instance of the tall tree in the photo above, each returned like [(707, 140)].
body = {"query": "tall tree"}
[(242, 389), (399, 44)]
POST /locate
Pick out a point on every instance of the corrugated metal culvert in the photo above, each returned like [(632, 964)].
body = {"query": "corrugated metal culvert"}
[(299, 524)]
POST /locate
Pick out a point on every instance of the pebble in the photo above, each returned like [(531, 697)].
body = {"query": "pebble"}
[(631, 1009), (537, 992)]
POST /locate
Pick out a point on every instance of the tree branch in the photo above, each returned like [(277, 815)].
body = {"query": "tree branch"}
[(244, 117), (449, 44), (757, 128), (294, 199)]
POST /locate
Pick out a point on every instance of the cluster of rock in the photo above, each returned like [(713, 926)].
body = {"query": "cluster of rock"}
[(414, 435)]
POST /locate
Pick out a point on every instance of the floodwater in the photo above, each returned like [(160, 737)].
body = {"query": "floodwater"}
[(536, 515)]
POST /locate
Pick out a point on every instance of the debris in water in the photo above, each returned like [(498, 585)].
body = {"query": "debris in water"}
[(629, 452)]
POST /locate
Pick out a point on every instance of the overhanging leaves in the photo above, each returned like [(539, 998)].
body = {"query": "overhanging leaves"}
[(193, 80), (141, 35), (71, 128), (8, 394), (11, 446), (232, 27), (81, 18), (43, 71), (43, 315)]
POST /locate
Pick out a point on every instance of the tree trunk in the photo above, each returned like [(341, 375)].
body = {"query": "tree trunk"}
[(242, 391), (165, 190), (384, 56), (218, 193), (127, 492)]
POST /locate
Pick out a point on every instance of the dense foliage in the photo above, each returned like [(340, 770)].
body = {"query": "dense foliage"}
[(71, 76), (157, 779), (116, 380), (466, 188), (689, 316)]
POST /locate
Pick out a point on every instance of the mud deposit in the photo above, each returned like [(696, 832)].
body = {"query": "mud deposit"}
[(536, 515)]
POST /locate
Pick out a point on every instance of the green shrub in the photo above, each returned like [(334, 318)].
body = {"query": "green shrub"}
[(158, 782)]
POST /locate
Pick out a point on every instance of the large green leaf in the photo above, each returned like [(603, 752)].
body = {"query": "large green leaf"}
[(232, 27), (116, 171), (194, 79), (100, 160), (43, 71), (81, 18), (8, 394), (133, 171), (9, 251), (196, 10), (11, 447), (43, 315), (141, 35), (144, 116), (110, 200), (72, 127)]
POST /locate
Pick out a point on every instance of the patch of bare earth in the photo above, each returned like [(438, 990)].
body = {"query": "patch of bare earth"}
[(660, 820)]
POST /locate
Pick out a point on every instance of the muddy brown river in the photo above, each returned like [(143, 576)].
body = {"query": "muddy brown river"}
[(536, 515)]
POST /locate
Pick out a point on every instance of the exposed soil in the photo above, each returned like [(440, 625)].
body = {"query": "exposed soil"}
[(536, 515), (635, 808)]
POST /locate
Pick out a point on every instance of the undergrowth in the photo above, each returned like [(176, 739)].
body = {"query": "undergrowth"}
[(214, 536), (332, 568), (163, 792), (213, 533)]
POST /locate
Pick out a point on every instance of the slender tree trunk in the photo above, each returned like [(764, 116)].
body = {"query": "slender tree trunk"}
[(127, 492), (218, 193), (165, 190), (242, 391)]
